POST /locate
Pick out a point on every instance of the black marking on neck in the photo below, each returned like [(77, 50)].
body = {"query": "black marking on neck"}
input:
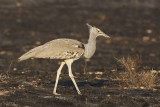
[(81, 46)]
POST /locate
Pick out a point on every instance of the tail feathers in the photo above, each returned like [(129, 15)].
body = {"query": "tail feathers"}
[(27, 55), (32, 53), (23, 58)]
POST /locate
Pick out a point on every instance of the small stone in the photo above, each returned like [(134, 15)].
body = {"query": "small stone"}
[(14, 69), (108, 41), (133, 68), (108, 95), (59, 63), (98, 78), (149, 31), (146, 38), (2, 52), (18, 4), (4, 92), (113, 70), (99, 73), (87, 59), (38, 43), (154, 90), (141, 87), (21, 87), (125, 88), (153, 40), (90, 73), (152, 54)]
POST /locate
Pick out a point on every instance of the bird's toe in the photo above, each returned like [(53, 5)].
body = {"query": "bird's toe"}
[(56, 93), (79, 93)]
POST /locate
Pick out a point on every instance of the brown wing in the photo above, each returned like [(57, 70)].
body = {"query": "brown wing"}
[(56, 49)]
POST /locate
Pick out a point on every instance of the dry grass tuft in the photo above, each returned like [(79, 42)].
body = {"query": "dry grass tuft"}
[(130, 64), (133, 77)]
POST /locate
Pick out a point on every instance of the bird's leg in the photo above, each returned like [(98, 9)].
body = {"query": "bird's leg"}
[(69, 63), (85, 65), (57, 78)]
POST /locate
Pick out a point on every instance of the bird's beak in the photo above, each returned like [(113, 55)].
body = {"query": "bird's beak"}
[(105, 35)]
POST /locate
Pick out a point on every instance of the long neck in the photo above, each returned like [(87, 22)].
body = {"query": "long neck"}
[(90, 47)]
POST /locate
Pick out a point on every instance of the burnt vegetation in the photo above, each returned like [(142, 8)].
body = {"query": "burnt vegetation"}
[(134, 76), (126, 81)]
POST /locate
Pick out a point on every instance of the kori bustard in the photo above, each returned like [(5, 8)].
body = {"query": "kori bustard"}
[(68, 50)]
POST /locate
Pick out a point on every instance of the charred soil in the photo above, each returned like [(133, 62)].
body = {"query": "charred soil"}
[(133, 31)]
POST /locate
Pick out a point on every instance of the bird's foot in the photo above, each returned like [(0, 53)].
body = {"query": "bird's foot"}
[(79, 93), (56, 93)]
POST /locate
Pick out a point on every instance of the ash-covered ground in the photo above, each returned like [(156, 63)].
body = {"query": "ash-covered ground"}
[(134, 30)]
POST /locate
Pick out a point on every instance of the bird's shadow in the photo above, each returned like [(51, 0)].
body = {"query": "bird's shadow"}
[(97, 83)]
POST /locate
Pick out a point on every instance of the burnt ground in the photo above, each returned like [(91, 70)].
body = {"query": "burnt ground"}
[(133, 31)]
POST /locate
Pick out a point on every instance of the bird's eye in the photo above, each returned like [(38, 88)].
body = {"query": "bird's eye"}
[(98, 31)]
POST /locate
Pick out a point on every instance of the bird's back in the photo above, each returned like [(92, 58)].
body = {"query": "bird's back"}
[(56, 49)]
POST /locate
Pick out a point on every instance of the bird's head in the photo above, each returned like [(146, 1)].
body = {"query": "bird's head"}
[(96, 31)]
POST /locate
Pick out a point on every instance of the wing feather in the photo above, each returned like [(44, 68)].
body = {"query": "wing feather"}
[(56, 49)]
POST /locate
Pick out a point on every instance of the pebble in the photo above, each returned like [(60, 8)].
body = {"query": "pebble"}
[(146, 38), (149, 31)]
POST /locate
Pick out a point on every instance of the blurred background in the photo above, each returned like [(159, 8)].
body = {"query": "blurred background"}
[(133, 26)]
